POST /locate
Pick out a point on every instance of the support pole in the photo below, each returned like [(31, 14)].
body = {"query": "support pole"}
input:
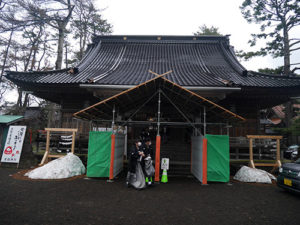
[(278, 152), (183, 115), (45, 157), (112, 157), (73, 142), (158, 139), (251, 153), (227, 128), (204, 120), (113, 119), (204, 161), (132, 115), (158, 112)]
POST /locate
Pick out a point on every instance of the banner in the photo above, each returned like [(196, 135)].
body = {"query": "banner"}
[(13, 145)]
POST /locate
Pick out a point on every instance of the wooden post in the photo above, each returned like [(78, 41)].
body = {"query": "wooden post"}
[(45, 157), (251, 153), (278, 153), (252, 137), (191, 156), (73, 142)]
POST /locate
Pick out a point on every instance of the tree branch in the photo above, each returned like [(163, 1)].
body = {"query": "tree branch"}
[(295, 49), (294, 43), (296, 68)]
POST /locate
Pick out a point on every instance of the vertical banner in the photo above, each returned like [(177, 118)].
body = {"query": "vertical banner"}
[(13, 145)]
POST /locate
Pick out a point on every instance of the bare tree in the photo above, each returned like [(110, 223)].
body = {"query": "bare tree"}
[(56, 14)]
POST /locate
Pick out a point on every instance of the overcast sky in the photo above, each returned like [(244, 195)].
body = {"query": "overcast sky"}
[(178, 17)]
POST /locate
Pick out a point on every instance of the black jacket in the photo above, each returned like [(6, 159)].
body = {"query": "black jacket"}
[(134, 153)]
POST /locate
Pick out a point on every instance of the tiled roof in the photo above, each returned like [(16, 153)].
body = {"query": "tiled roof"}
[(196, 61)]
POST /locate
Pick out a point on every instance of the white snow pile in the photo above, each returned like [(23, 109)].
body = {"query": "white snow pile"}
[(247, 174), (64, 167)]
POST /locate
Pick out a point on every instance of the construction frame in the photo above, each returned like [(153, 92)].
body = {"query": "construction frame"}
[(47, 155)]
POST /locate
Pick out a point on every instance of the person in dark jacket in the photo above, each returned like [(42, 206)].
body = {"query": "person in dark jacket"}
[(136, 153), (148, 150), (147, 161)]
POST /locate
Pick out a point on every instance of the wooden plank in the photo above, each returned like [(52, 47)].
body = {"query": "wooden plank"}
[(252, 164), (48, 141), (45, 157), (251, 152), (265, 164), (73, 142), (264, 137), (55, 156), (61, 129)]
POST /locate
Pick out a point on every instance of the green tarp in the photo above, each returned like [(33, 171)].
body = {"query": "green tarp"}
[(99, 154), (218, 158)]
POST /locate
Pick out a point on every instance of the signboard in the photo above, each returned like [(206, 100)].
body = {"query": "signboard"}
[(165, 164), (13, 145)]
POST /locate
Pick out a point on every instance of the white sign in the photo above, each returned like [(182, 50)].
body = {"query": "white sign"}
[(13, 145), (165, 164)]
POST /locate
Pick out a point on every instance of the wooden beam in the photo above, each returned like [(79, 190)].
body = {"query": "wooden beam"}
[(61, 129), (123, 92), (45, 157), (55, 156), (252, 163), (73, 142), (264, 137), (202, 98), (266, 164)]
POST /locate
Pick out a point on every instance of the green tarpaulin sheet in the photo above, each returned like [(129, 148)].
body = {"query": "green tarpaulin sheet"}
[(99, 154), (218, 158)]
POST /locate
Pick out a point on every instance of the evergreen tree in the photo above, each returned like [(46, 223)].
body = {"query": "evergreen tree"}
[(205, 30), (277, 18)]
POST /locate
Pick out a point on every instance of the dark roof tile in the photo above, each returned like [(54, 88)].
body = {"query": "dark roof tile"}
[(206, 61)]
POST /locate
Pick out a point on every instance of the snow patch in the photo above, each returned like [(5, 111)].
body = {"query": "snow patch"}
[(247, 174), (64, 167)]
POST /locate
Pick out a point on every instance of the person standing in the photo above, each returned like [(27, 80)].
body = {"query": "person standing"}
[(148, 168), (135, 156)]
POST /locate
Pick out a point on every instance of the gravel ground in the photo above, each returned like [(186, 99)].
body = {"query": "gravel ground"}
[(181, 201)]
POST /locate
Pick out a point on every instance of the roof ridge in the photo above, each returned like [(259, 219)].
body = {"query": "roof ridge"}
[(157, 38), (35, 72), (254, 73)]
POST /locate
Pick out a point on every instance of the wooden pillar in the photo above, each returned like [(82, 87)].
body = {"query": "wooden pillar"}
[(278, 152), (45, 157), (251, 153), (73, 142)]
